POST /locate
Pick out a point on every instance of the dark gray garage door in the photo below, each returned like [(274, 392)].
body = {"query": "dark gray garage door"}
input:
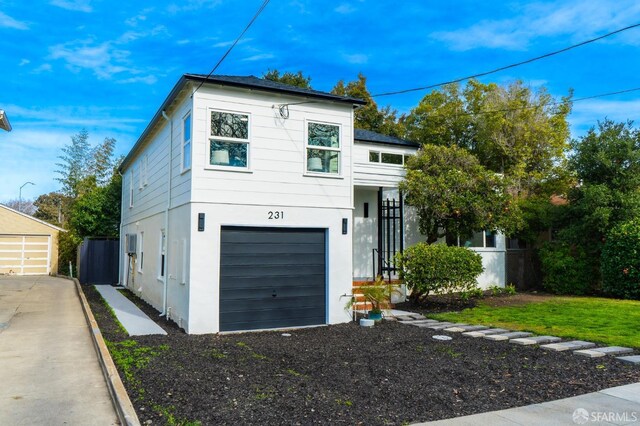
[(272, 277)]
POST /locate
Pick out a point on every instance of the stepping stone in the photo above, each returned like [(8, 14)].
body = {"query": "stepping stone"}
[(444, 325), (535, 340), (600, 352), (417, 316), (422, 324), (465, 328), (403, 318), (507, 336), (566, 346), (633, 359), (487, 332), (419, 322)]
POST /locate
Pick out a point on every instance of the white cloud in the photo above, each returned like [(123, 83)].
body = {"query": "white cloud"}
[(74, 5), (230, 42), (103, 59), (260, 57), (190, 5), (148, 79), (356, 58), (344, 9), (577, 19), (586, 114), (23, 62), (7, 21), (42, 68)]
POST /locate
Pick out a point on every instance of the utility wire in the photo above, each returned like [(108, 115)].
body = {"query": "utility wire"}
[(601, 95), (258, 12), (482, 74)]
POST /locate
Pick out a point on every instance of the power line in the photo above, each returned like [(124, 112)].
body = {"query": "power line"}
[(258, 12), (482, 74), (601, 95)]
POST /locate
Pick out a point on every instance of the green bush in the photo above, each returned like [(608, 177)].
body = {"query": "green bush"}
[(437, 268), (565, 269), (621, 261)]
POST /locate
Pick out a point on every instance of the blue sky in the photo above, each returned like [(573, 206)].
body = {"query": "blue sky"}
[(107, 66)]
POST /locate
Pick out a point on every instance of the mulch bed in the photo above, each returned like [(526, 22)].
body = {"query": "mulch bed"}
[(345, 374)]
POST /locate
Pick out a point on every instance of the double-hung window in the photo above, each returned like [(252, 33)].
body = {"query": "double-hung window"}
[(323, 148), (229, 140), (186, 142)]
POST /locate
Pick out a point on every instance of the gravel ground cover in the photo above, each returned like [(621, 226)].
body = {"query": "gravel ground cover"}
[(391, 374)]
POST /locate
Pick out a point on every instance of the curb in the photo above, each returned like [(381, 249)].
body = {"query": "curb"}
[(124, 408)]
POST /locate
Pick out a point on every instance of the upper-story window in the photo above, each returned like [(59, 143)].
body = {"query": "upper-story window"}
[(186, 142), (323, 148), (229, 139), (387, 158), (480, 239), (131, 188)]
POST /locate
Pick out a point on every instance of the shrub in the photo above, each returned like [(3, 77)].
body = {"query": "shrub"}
[(565, 268), (438, 268), (621, 261)]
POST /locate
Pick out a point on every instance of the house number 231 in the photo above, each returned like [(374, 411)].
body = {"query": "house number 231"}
[(274, 215)]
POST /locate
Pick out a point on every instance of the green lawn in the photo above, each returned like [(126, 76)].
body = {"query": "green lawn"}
[(609, 321)]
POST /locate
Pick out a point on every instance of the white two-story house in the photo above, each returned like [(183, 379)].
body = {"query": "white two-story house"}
[(249, 204)]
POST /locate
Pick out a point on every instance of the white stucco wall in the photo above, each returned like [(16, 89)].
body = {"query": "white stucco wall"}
[(205, 256)]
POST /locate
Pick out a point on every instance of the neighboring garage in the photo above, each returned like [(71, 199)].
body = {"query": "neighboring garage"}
[(272, 277), (28, 246)]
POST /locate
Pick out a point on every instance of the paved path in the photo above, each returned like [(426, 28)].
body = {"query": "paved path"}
[(136, 322), (613, 406), (49, 370)]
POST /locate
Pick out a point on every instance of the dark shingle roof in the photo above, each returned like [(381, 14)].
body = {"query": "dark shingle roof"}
[(253, 82), (361, 135)]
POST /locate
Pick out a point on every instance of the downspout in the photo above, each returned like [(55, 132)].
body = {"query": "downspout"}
[(166, 217), (121, 269)]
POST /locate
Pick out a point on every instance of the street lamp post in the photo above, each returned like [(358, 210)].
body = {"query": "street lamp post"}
[(20, 195)]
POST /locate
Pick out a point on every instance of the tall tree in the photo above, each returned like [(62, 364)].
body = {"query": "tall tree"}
[(370, 116), (454, 194), (101, 164), (293, 79), (75, 158), (52, 207), (513, 130)]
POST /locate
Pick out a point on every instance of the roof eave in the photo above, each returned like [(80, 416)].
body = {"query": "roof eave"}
[(4, 121)]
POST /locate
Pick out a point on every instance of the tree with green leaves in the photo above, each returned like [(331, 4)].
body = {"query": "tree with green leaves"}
[(73, 163), (370, 116), (606, 164), (513, 130), (293, 79), (454, 194), (52, 208)]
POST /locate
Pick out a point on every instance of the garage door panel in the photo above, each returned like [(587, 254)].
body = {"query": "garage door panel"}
[(24, 254), (273, 259), (256, 262), (241, 248), (251, 282), (260, 271)]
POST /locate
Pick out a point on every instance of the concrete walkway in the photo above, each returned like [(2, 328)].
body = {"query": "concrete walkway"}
[(613, 406), (49, 370), (136, 322)]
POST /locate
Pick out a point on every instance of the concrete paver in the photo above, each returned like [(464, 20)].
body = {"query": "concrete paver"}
[(632, 359), (507, 336), (487, 332), (567, 346), (136, 322), (50, 371), (535, 340)]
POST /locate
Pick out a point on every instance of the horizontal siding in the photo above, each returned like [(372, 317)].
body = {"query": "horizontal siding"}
[(277, 153), (376, 174)]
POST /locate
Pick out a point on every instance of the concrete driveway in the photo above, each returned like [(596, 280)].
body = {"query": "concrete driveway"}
[(49, 370)]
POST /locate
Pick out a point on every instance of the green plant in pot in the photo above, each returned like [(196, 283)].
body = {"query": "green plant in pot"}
[(378, 294)]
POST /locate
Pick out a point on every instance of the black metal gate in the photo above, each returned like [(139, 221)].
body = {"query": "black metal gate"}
[(390, 234), (98, 261)]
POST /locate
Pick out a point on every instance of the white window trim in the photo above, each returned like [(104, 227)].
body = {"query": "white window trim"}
[(162, 264), (131, 183), (140, 254), (339, 150), (484, 243), (380, 153), (211, 138), (184, 141)]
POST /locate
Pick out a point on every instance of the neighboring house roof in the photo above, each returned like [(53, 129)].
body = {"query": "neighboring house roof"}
[(42, 222), (361, 135), (4, 121), (243, 82)]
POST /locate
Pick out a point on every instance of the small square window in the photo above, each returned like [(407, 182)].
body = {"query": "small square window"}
[(374, 157), (186, 142)]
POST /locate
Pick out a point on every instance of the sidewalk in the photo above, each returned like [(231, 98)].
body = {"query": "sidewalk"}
[(613, 406), (136, 322), (50, 371)]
